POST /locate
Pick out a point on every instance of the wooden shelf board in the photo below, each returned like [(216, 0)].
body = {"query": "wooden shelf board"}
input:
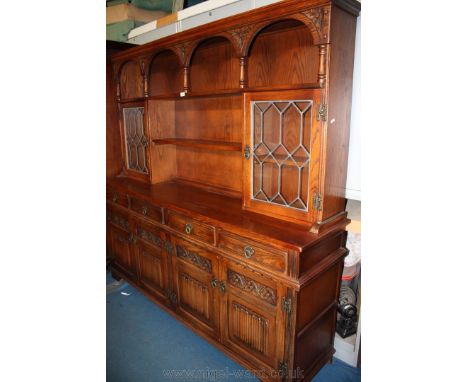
[(200, 143)]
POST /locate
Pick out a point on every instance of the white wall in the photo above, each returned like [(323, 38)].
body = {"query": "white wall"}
[(353, 183)]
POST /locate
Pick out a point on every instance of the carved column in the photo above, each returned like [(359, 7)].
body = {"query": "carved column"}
[(186, 79), (244, 83), (322, 73)]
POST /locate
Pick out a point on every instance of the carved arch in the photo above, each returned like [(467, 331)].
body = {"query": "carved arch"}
[(139, 62), (196, 44), (317, 20)]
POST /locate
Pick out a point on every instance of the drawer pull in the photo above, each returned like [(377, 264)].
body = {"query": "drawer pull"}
[(188, 229), (214, 283), (248, 251), (144, 210), (114, 198), (132, 238)]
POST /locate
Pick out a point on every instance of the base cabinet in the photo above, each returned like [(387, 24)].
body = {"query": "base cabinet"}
[(123, 257), (195, 273)]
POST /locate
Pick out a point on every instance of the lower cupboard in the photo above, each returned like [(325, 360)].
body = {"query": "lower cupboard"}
[(278, 331)]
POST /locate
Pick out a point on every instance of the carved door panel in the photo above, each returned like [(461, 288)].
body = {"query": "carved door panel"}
[(253, 323), (121, 243), (282, 145), (195, 274), (152, 264)]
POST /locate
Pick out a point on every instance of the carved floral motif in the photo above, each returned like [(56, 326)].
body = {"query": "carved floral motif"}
[(194, 258), (251, 286)]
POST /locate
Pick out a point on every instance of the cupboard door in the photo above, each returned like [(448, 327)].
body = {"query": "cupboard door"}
[(121, 249), (135, 140), (152, 268), (196, 279), (253, 323), (282, 150)]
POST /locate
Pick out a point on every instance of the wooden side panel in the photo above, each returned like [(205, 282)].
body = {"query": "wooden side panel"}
[(343, 32), (317, 296), (283, 54), (121, 250), (114, 162)]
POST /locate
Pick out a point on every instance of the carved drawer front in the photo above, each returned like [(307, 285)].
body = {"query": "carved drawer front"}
[(121, 250), (196, 277), (150, 234), (253, 252), (191, 227), (152, 268), (117, 197), (146, 209), (118, 219), (251, 285)]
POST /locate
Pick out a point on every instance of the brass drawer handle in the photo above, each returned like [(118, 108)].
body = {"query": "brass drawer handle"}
[(188, 229), (114, 198), (132, 238), (222, 287), (214, 283), (248, 251), (144, 210)]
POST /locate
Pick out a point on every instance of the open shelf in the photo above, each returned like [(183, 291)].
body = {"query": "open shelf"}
[(201, 143)]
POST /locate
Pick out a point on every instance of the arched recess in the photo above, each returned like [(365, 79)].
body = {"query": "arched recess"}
[(165, 75), (214, 65), (131, 81), (283, 54)]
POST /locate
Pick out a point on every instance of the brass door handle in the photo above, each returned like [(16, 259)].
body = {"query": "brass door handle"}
[(114, 198), (132, 238), (214, 283), (144, 210), (188, 229), (246, 151), (248, 251)]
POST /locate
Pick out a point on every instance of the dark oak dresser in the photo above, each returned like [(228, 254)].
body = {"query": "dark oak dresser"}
[(228, 205)]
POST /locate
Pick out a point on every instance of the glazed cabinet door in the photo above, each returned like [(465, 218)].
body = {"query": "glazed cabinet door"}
[(253, 323), (152, 263), (281, 153), (121, 244), (135, 140), (195, 274)]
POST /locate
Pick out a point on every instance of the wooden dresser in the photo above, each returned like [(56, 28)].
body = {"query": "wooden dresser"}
[(228, 209)]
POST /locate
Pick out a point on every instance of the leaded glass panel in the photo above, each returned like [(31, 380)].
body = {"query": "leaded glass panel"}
[(135, 139), (281, 152)]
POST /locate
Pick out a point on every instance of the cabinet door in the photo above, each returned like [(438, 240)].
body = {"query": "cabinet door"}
[(122, 250), (282, 149), (253, 322), (196, 280), (152, 268), (135, 140)]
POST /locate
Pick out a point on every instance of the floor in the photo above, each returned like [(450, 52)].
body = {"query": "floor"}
[(146, 344)]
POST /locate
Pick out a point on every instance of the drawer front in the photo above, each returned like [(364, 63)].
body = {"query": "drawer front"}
[(189, 227), (118, 219), (149, 234), (253, 252), (117, 197), (148, 210)]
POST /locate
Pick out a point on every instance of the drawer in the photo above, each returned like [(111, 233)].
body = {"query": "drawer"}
[(146, 209), (117, 197), (253, 252), (118, 219), (190, 227), (149, 234)]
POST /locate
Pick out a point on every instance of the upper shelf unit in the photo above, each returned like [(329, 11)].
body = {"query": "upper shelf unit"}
[(276, 55)]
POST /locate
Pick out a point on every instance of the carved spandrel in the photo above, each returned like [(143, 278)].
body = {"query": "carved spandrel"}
[(319, 19), (240, 36), (251, 286)]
